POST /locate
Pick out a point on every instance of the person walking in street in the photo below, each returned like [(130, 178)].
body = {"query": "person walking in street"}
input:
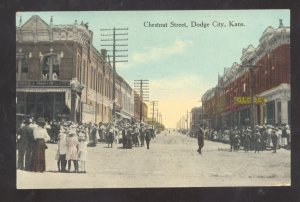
[(148, 137), (25, 144), (41, 137), (200, 138), (62, 150), (72, 155)]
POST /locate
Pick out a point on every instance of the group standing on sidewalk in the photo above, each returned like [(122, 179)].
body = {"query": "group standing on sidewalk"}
[(72, 141), (31, 143)]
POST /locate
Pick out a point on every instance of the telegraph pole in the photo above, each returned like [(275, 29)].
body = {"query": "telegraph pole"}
[(250, 70), (154, 103), (114, 50), (141, 87)]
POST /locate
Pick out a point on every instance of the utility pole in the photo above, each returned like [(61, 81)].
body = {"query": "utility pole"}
[(250, 70), (141, 87), (114, 50), (154, 103)]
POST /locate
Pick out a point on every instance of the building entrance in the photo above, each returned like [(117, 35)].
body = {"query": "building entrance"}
[(50, 105)]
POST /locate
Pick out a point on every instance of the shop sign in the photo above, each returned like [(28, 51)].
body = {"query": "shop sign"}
[(43, 83), (247, 100)]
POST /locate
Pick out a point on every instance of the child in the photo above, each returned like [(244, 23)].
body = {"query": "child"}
[(82, 151), (61, 150)]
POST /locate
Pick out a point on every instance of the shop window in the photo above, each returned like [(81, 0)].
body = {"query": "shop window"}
[(271, 113), (21, 97), (60, 97)]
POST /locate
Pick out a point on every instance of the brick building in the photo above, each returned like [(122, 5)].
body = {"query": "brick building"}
[(61, 75), (138, 106), (264, 71)]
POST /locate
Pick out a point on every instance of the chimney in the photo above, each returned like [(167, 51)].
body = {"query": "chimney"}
[(280, 23), (104, 54)]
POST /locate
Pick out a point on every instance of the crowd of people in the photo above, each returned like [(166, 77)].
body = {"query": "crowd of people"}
[(72, 141), (263, 137)]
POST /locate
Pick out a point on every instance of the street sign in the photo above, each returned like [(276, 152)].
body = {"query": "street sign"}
[(247, 100)]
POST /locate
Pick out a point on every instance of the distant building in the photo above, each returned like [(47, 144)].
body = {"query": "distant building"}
[(61, 75), (138, 106), (268, 67), (196, 120)]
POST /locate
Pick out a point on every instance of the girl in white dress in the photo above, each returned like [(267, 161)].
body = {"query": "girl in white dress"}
[(82, 151)]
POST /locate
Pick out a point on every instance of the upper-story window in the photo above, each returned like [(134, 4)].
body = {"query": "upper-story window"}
[(22, 65), (51, 66)]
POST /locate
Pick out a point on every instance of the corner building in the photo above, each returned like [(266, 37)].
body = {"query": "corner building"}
[(60, 74)]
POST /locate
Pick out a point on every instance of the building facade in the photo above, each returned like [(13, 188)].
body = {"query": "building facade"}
[(61, 75), (196, 120), (140, 109), (264, 72)]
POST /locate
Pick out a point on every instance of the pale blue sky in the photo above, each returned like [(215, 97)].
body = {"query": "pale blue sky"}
[(181, 63)]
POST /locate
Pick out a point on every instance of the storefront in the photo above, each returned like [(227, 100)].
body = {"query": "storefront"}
[(276, 110), (53, 100)]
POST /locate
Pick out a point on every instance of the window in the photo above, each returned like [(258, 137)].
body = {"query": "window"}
[(92, 73), (55, 60), (24, 67)]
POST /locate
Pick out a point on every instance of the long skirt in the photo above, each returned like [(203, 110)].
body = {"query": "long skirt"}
[(38, 156)]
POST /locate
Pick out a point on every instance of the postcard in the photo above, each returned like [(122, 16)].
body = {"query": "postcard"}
[(147, 99)]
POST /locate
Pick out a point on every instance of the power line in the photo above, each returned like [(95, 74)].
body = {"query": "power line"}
[(114, 50)]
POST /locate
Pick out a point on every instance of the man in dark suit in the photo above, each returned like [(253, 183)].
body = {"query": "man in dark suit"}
[(200, 138), (148, 137), (25, 144)]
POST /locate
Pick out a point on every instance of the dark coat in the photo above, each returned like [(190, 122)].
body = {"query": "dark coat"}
[(200, 138), (26, 138), (148, 135)]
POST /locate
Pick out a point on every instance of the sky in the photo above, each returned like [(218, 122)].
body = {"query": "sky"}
[(181, 63)]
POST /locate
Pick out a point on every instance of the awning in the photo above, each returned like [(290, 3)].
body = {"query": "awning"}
[(124, 116), (43, 90)]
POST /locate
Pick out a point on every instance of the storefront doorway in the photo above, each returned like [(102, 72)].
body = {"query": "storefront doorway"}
[(50, 105)]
